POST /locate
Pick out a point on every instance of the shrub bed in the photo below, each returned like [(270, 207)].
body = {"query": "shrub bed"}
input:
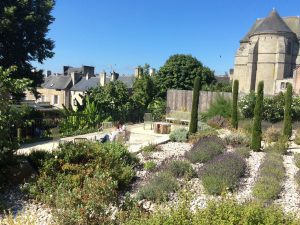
[(222, 173), (244, 152), (179, 135), (270, 179), (179, 168), (82, 180), (279, 147), (158, 187), (205, 149), (194, 138), (150, 165), (272, 134), (237, 138)]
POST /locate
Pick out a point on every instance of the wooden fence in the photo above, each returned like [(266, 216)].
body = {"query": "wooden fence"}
[(181, 100)]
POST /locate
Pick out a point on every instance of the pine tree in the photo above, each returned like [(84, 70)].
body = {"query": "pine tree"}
[(287, 123), (194, 113), (256, 130), (234, 116)]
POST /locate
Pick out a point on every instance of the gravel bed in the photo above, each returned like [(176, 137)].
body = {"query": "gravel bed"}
[(244, 192), (25, 209), (289, 198)]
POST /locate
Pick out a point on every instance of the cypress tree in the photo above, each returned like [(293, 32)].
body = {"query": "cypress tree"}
[(234, 116), (287, 123), (256, 130), (194, 113)]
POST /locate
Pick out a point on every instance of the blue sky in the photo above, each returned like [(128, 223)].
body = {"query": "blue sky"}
[(125, 33)]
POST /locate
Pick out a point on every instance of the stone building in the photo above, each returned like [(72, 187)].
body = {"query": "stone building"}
[(269, 52)]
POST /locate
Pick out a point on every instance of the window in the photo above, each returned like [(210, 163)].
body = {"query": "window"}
[(282, 85), (55, 99)]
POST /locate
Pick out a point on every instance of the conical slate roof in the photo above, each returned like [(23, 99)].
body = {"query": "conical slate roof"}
[(272, 24)]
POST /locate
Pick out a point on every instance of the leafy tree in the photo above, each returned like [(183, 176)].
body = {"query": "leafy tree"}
[(23, 28), (287, 122), (179, 72), (256, 130), (8, 115), (194, 112), (234, 118)]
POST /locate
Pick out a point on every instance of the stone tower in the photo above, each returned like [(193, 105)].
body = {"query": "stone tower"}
[(269, 52)]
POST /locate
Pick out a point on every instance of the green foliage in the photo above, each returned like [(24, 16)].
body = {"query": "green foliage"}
[(222, 173), (205, 149), (23, 37), (270, 179), (272, 134), (158, 109), (237, 138), (256, 131), (287, 123), (179, 72), (179, 168), (279, 147), (194, 112), (297, 178), (193, 138), (218, 87), (247, 104), (234, 118), (297, 139), (218, 122), (220, 107), (179, 135), (150, 148), (158, 187), (244, 152), (82, 180), (149, 165), (225, 212), (297, 159)]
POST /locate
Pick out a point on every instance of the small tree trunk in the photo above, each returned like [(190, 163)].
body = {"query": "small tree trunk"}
[(287, 123), (234, 116), (194, 113)]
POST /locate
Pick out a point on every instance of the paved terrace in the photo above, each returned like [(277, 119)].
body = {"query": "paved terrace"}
[(138, 139)]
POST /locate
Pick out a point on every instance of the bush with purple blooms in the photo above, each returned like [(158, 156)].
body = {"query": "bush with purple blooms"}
[(222, 173), (205, 149)]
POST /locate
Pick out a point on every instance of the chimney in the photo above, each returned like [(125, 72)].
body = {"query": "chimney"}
[(48, 73), (102, 78), (138, 72), (87, 76), (114, 76), (75, 77), (151, 71)]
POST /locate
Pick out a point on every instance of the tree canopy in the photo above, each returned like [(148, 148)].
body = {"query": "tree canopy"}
[(23, 28), (179, 72)]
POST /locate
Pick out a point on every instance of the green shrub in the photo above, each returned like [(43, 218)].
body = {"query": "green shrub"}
[(179, 135), (225, 212), (158, 109), (218, 122), (280, 146), (195, 103), (256, 132), (237, 138), (158, 188), (37, 158), (149, 165), (235, 93), (244, 152), (287, 122), (205, 149), (203, 127), (246, 126), (179, 168), (150, 148), (82, 180), (220, 107), (193, 138), (222, 173), (297, 159), (297, 139), (272, 173), (271, 134)]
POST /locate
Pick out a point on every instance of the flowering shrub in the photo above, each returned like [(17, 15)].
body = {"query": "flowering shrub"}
[(222, 173), (205, 149), (237, 138), (179, 168), (273, 110), (271, 134)]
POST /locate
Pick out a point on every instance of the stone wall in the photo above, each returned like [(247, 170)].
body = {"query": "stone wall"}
[(181, 100)]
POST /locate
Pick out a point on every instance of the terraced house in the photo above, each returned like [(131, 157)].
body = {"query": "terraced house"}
[(269, 52)]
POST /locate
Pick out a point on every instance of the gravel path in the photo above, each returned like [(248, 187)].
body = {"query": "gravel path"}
[(24, 209), (244, 192), (289, 198)]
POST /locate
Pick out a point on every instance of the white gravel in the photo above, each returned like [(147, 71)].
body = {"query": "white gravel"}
[(289, 198), (244, 192)]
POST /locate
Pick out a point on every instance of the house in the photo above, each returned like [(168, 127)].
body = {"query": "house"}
[(269, 52)]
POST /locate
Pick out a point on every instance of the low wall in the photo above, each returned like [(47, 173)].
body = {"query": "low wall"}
[(181, 100)]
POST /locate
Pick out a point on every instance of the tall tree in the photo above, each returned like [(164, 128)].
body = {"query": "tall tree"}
[(179, 72), (256, 130), (234, 117), (23, 28), (287, 122), (194, 112)]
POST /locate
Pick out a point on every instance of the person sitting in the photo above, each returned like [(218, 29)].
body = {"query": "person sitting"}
[(112, 136)]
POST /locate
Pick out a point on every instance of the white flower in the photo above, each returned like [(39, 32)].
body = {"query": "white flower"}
[(55, 157)]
